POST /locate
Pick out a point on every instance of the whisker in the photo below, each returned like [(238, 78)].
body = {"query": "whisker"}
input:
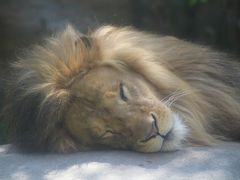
[(171, 94), (176, 95), (174, 99)]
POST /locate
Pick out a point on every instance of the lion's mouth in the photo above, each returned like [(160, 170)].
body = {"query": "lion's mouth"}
[(155, 131), (170, 141)]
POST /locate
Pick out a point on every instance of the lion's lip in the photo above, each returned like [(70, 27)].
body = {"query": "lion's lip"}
[(154, 136), (153, 133)]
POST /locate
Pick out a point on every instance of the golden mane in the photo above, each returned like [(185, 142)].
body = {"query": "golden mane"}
[(39, 92)]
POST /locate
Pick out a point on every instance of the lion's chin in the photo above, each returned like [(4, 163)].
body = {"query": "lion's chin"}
[(176, 137), (153, 145), (172, 142)]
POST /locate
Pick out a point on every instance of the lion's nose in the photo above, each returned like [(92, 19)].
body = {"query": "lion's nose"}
[(154, 129)]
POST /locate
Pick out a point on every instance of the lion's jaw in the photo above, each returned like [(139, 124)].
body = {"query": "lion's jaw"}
[(101, 117)]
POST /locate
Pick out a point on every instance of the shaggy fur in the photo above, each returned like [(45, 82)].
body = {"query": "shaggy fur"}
[(201, 86)]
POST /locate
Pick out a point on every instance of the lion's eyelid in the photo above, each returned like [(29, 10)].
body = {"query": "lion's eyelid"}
[(122, 92)]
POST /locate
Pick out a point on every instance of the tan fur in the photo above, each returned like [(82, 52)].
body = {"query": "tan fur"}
[(64, 95)]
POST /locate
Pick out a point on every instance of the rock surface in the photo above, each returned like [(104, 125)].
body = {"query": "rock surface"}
[(219, 162)]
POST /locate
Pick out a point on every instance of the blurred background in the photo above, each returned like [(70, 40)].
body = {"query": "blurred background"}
[(24, 22)]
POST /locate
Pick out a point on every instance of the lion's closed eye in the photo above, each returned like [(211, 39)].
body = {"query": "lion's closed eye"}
[(124, 92)]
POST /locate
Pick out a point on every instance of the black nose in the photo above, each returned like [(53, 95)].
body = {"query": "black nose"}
[(155, 127)]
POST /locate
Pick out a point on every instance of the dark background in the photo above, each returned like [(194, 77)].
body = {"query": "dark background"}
[(24, 22)]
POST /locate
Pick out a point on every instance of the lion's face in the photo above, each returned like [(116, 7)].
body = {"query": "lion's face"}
[(121, 110)]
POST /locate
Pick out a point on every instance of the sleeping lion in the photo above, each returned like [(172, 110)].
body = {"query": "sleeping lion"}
[(124, 89)]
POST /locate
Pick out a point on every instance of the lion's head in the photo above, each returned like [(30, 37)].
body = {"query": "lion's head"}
[(121, 110), (107, 89)]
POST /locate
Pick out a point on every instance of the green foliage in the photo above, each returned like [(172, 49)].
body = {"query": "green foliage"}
[(195, 2)]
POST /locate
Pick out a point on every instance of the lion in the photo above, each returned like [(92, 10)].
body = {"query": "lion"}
[(121, 88)]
